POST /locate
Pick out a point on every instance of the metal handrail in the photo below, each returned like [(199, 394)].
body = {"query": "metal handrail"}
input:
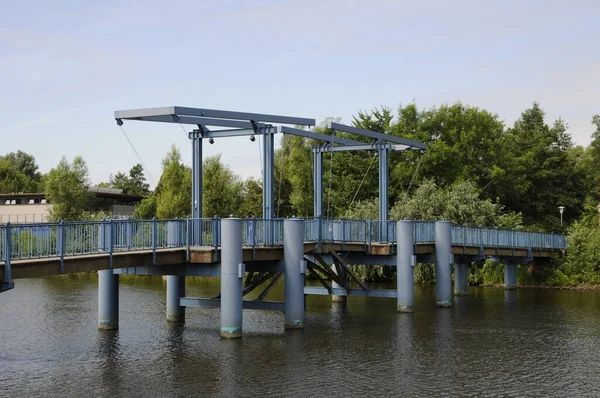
[(64, 239)]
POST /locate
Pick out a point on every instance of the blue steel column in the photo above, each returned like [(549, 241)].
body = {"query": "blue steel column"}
[(383, 194), (443, 261), (196, 137), (268, 170), (334, 297), (293, 254), (461, 279), (404, 266), (175, 290), (510, 276), (7, 283), (108, 300), (231, 277), (318, 183)]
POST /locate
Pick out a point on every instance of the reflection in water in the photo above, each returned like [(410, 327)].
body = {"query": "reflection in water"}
[(110, 361), (492, 342)]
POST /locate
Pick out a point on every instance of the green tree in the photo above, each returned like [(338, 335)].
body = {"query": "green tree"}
[(222, 190), (66, 189), (251, 205), (540, 174), (133, 183), (174, 195), (462, 145), (146, 209), (23, 163)]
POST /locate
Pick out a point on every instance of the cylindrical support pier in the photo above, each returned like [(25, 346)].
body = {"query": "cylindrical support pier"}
[(175, 290), (461, 279), (108, 300), (404, 266), (443, 261), (293, 254), (232, 272), (335, 298), (510, 276)]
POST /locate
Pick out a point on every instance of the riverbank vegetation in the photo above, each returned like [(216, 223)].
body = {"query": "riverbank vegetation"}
[(476, 171)]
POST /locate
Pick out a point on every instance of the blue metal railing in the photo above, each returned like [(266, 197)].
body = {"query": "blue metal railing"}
[(63, 239)]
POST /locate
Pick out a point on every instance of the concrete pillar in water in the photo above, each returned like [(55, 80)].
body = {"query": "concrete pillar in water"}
[(175, 290), (404, 266), (108, 300), (293, 254), (335, 298), (510, 276), (461, 279), (443, 261), (232, 272)]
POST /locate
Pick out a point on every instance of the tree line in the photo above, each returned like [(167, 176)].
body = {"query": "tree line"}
[(476, 171)]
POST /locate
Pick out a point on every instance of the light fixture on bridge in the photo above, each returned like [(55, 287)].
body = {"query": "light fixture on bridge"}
[(561, 209), (211, 141), (252, 138)]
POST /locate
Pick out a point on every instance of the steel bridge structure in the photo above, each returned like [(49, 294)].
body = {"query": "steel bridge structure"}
[(255, 253)]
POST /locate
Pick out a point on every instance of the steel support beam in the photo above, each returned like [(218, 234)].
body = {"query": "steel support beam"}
[(383, 194), (318, 184), (404, 270), (7, 283), (202, 121), (510, 276), (376, 135), (246, 304), (212, 113), (461, 279), (361, 147), (175, 290), (196, 137), (108, 300), (332, 139), (337, 298), (315, 290), (443, 263), (232, 272), (295, 270), (268, 170)]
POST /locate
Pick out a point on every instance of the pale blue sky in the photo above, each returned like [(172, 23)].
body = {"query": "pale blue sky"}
[(67, 65)]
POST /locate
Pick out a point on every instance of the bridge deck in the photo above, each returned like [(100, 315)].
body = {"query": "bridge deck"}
[(39, 267)]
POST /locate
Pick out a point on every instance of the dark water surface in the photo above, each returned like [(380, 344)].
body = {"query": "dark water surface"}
[(524, 343)]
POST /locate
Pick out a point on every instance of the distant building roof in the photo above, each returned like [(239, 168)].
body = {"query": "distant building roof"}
[(113, 193)]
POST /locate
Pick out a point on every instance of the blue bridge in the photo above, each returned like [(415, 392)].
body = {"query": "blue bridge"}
[(254, 254)]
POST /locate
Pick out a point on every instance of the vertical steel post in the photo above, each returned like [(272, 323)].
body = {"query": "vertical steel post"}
[(60, 244), (318, 183), (461, 279), (405, 260), (334, 297), (443, 261), (268, 169), (175, 290), (108, 300), (196, 137), (7, 282), (383, 193), (232, 272), (510, 276), (293, 254), (154, 239)]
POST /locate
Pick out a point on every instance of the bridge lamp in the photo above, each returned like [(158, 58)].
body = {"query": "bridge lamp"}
[(253, 138), (211, 141), (561, 209)]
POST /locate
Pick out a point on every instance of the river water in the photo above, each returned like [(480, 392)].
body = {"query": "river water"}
[(530, 342)]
